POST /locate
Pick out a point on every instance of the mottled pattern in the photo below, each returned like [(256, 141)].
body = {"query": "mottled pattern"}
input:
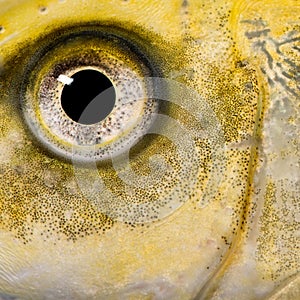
[(229, 228)]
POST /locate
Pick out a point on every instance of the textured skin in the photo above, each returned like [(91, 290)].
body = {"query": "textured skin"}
[(236, 239)]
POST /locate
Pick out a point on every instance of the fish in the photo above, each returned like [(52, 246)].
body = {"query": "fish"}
[(189, 187)]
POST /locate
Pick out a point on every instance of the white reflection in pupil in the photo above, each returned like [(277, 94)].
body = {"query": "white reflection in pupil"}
[(81, 89), (65, 79)]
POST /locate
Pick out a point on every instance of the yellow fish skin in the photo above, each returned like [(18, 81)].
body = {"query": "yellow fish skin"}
[(231, 231)]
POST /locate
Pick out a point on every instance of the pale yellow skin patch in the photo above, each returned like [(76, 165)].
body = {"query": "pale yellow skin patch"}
[(241, 241)]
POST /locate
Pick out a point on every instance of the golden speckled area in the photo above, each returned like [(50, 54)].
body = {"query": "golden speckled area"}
[(233, 230)]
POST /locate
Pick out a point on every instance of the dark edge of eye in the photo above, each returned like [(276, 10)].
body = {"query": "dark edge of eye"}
[(122, 37)]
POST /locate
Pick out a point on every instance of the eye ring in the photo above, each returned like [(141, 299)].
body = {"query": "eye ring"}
[(111, 56)]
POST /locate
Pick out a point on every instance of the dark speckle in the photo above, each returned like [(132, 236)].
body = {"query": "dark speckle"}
[(185, 3)]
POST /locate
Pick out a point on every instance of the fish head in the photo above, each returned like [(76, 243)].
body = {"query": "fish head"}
[(188, 188)]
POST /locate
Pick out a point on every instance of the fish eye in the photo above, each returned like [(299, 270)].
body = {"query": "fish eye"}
[(62, 79)]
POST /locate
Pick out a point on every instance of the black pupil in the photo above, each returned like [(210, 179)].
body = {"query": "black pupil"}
[(90, 98)]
